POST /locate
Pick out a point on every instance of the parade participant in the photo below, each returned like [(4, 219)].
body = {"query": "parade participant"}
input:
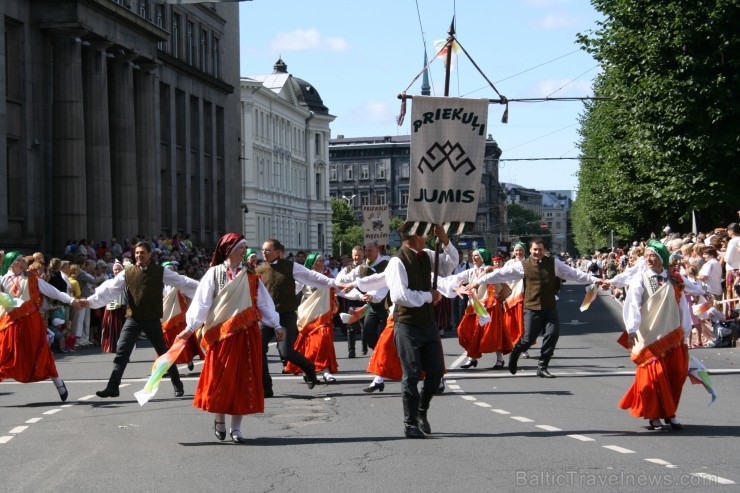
[(279, 276), (540, 274), (492, 336), (174, 306), (657, 321), (409, 278), (250, 258), (315, 325), (346, 275), (113, 318), (514, 304), (143, 285), (229, 302), (25, 355)]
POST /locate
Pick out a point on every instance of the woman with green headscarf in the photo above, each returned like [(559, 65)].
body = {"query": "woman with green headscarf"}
[(316, 326), (25, 355)]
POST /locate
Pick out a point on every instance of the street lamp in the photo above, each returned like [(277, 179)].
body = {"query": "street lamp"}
[(349, 199)]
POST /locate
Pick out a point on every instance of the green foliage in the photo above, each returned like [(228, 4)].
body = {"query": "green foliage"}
[(668, 140), (346, 228), (521, 221)]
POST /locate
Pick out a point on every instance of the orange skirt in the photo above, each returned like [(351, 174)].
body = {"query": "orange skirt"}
[(111, 329), (657, 387), (317, 347), (231, 379), (384, 361), (514, 322), (25, 355), (477, 340), (192, 347)]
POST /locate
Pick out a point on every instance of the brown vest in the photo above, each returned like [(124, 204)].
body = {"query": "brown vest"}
[(419, 273), (279, 281), (145, 292), (540, 283)]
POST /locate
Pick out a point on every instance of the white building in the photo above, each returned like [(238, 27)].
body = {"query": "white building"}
[(284, 156)]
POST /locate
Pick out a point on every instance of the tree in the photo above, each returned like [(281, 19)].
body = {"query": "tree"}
[(346, 229), (525, 224), (666, 141)]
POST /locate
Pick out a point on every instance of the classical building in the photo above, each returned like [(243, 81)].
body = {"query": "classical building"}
[(375, 170), (556, 206), (117, 117), (528, 198), (285, 148)]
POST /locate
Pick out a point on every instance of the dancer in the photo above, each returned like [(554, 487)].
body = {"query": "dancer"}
[(114, 317), (174, 306), (514, 303), (346, 275), (25, 355), (229, 302)]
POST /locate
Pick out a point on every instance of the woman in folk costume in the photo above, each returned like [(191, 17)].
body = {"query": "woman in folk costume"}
[(657, 320), (315, 325), (174, 306), (113, 318), (25, 355), (229, 302), (514, 303)]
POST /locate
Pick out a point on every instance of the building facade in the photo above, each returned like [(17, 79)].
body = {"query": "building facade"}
[(556, 212), (117, 117), (285, 149), (528, 198), (375, 170)]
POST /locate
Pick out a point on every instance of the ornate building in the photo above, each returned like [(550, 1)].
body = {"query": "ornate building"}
[(117, 117), (285, 148)]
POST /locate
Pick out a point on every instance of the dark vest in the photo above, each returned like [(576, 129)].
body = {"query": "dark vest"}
[(419, 273), (145, 292), (366, 271), (540, 284), (279, 281)]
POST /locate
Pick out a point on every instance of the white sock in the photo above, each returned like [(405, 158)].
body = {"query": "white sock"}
[(220, 418), (59, 383), (236, 425), (377, 380), (499, 356)]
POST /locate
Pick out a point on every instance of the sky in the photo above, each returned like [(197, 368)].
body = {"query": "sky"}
[(359, 55)]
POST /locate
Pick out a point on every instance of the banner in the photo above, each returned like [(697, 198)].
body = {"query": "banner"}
[(376, 223), (448, 143)]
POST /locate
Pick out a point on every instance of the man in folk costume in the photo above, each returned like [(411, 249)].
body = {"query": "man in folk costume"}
[(657, 318), (346, 275), (409, 279), (143, 285), (316, 325), (25, 355), (541, 276), (174, 306), (229, 303)]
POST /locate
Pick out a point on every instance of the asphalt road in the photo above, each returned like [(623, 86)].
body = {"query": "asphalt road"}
[(491, 431)]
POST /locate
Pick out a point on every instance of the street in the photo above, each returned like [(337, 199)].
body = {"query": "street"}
[(492, 431)]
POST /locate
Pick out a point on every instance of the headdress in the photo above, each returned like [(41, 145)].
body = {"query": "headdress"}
[(310, 260), (661, 250), (485, 255), (10, 257), (224, 247)]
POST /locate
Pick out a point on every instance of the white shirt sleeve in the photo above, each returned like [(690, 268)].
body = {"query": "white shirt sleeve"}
[(108, 291), (511, 272), (202, 300), (624, 278), (564, 271), (398, 284), (632, 303), (312, 278), (51, 292), (186, 285)]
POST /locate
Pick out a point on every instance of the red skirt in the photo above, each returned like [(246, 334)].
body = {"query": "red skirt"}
[(477, 340), (657, 387), (514, 322), (25, 355), (192, 347), (384, 361), (317, 347), (231, 379), (112, 324)]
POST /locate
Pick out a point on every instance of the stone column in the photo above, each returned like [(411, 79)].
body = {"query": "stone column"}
[(97, 142), (124, 197), (69, 216), (147, 160)]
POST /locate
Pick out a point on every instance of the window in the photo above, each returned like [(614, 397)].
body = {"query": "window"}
[(143, 8), (215, 47), (190, 40), (558, 224), (365, 172), (482, 194), (159, 20), (348, 172), (175, 35), (203, 49), (380, 198), (404, 198), (364, 198), (332, 173), (380, 171), (405, 170), (480, 225)]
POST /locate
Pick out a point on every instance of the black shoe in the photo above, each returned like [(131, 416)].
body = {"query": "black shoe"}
[(108, 392), (543, 373), (238, 440), (64, 394), (513, 359), (190, 366), (654, 424), (268, 393), (413, 431), (675, 425), (471, 362), (499, 365), (364, 348), (221, 435), (179, 390), (311, 382), (441, 389), (380, 387), (424, 423), (351, 354)]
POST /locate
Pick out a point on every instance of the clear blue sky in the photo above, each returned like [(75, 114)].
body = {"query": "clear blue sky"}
[(360, 54)]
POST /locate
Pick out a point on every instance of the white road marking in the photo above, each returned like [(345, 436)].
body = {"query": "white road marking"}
[(500, 411), (482, 404), (459, 360), (458, 391), (453, 387), (125, 385), (34, 420), (548, 428), (52, 411), (18, 429), (66, 405), (582, 438), (522, 419), (468, 397), (713, 478), (5, 439), (660, 462), (451, 381), (86, 398), (621, 450)]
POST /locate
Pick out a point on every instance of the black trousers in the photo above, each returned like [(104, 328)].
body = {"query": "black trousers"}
[(419, 348), (538, 322), (373, 324), (126, 342), (285, 347)]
